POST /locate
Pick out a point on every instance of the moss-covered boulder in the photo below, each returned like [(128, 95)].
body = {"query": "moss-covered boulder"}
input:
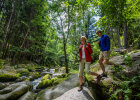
[(14, 91), (28, 96), (58, 90), (34, 75), (62, 75), (3, 85), (6, 76), (23, 71), (55, 80), (45, 81), (47, 76)]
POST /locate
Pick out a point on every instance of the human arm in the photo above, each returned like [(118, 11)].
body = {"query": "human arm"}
[(89, 49)]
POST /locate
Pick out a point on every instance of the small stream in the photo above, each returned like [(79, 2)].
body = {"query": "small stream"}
[(46, 71)]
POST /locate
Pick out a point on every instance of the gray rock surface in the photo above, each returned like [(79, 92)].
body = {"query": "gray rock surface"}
[(28, 96), (14, 91), (49, 94), (73, 94)]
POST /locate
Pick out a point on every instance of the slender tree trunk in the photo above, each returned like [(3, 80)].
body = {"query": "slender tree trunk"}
[(84, 31), (118, 35), (65, 42), (7, 28), (125, 35)]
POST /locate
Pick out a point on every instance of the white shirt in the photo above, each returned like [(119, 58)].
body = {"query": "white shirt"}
[(83, 51)]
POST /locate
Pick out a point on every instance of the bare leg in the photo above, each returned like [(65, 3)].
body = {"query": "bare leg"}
[(101, 64), (81, 80)]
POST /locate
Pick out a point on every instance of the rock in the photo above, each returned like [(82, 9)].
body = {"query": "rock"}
[(3, 85), (22, 78), (135, 56), (121, 51), (57, 74), (9, 69), (14, 91), (7, 76), (28, 96), (34, 75), (73, 94), (52, 71), (21, 65), (62, 70), (45, 82), (49, 94), (23, 71), (119, 60)]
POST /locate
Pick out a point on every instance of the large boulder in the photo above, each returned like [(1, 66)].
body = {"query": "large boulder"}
[(3, 85), (7, 76), (45, 82), (73, 94), (23, 71), (28, 96), (14, 91), (119, 60), (49, 94)]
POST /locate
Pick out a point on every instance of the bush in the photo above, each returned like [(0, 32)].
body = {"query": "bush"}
[(2, 63), (127, 60)]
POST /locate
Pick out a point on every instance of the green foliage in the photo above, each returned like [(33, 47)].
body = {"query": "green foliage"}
[(113, 53), (129, 87), (96, 51), (117, 69), (127, 60), (2, 64)]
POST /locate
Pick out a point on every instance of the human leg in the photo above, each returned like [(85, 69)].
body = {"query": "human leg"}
[(87, 70), (81, 69), (106, 55)]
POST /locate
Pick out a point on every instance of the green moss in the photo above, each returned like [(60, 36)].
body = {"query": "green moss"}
[(23, 71), (113, 53), (30, 67), (4, 77), (89, 77), (34, 75), (47, 76), (73, 71), (45, 83), (62, 75), (96, 68)]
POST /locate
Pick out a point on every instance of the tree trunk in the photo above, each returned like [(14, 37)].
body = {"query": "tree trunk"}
[(125, 35), (118, 35), (7, 29)]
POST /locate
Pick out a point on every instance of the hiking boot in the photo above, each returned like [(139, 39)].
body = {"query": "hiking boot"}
[(80, 88), (99, 78), (103, 75)]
